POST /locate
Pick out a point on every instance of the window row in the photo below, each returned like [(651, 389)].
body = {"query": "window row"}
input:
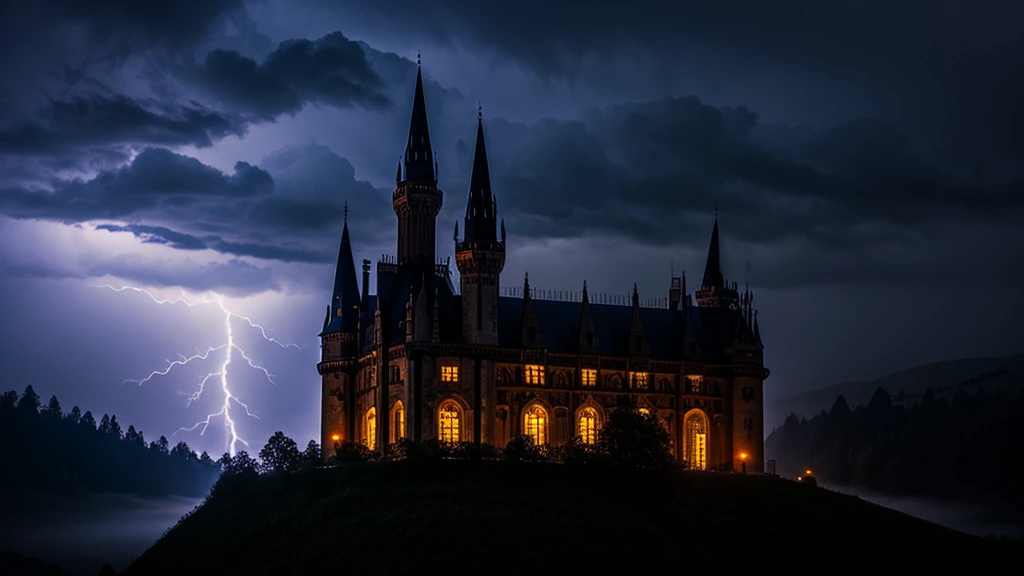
[(535, 424)]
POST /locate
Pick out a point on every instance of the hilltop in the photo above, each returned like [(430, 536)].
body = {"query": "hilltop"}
[(505, 517), (948, 376)]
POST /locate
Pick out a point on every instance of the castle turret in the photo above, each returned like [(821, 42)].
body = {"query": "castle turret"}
[(714, 291), (417, 199), (341, 327), (480, 256)]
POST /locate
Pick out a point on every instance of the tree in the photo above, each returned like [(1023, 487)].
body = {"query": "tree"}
[(52, 409), (182, 450), (8, 400), (159, 446), (104, 426), (75, 416), (115, 428), (88, 420), (280, 454), (633, 439), (29, 401), (135, 436), (311, 455)]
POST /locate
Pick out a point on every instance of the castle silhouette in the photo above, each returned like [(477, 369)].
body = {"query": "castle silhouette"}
[(420, 360)]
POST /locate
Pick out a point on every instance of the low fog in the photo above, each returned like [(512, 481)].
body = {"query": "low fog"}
[(968, 518), (81, 534)]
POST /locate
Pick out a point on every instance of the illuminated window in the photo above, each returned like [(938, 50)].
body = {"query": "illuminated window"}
[(696, 446), (588, 425), (643, 410), (638, 380), (588, 377), (398, 421), (695, 384), (449, 373), (535, 424), (370, 428), (448, 422), (534, 374)]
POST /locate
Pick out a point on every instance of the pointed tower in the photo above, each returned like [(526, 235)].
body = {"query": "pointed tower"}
[(417, 199), (714, 292), (342, 322), (480, 256), (339, 351)]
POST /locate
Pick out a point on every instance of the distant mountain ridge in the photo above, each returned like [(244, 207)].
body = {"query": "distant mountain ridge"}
[(942, 377)]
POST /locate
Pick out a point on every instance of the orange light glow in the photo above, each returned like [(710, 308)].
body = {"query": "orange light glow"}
[(743, 455), (807, 472), (336, 437)]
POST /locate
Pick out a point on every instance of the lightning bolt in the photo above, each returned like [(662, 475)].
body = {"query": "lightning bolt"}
[(230, 347)]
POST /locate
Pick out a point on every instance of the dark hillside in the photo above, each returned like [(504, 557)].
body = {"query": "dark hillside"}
[(501, 517)]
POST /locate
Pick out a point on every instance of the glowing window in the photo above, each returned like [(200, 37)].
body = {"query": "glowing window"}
[(696, 447), (535, 424), (533, 374), (370, 428), (399, 422), (643, 410), (588, 425), (696, 384), (588, 377), (449, 373), (638, 379), (448, 422)]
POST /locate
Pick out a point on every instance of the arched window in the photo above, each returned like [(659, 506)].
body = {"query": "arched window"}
[(535, 424), (398, 422), (370, 428), (695, 447), (587, 427), (449, 422)]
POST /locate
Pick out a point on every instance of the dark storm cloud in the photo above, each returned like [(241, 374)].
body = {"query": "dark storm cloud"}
[(641, 170), (156, 180), (115, 121), (178, 202), (332, 70), (232, 278)]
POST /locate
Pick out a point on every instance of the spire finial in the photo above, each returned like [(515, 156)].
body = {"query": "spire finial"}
[(419, 60), (480, 111), (716, 209), (346, 211)]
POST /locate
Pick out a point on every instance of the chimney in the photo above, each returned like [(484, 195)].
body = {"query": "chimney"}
[(366, 280)]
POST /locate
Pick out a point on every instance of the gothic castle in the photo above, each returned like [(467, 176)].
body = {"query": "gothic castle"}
[(422, 360)]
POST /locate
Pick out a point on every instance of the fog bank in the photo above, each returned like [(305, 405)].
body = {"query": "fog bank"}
[(969, 518), (81, 534)]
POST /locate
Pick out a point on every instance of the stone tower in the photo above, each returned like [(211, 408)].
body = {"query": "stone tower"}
[(480, 256), (416, 198)]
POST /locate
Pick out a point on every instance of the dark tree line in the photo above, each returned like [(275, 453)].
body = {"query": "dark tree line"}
[(45, 449), (968, 447)]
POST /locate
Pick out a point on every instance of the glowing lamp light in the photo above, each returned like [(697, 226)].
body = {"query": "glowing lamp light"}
[(807, 472), (743, 455), (336, 437)]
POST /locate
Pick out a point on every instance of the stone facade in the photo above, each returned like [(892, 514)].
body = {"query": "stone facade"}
[(421, 360)]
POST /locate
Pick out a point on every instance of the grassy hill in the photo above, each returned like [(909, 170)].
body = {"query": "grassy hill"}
[(499, 517), (997, 372)]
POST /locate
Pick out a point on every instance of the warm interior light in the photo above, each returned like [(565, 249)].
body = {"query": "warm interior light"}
[(807, 472), (336, 437), (743, 455)]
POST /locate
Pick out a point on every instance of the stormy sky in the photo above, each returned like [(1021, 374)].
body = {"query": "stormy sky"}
[(867, 159)]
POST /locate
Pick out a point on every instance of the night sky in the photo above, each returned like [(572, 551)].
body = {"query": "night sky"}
[(867, 159)]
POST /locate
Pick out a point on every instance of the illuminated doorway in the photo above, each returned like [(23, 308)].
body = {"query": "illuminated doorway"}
[(695, 446), (535, 424), (449, 420), (370, 428)]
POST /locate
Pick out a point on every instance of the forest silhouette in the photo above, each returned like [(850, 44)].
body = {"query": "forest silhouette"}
[(967, 447), (47, 450)]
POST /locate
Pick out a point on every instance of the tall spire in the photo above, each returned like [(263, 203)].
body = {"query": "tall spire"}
[(419, 156), (713, 269), (481, 220), (345, 296)]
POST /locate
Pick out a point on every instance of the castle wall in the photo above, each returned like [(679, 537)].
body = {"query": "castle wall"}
[(748, 424)]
